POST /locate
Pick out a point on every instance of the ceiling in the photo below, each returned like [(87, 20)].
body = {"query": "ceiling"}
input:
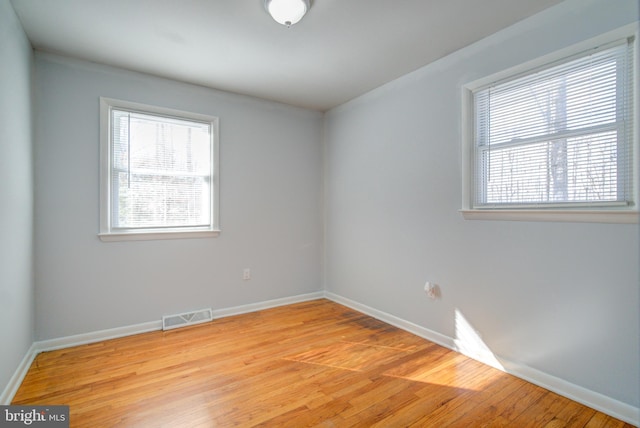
[(340, 49)]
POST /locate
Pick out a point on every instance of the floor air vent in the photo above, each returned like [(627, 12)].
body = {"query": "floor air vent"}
[(187, 318)]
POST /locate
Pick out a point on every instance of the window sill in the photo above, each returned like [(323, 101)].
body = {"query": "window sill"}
[(576, 216), (155, 235)]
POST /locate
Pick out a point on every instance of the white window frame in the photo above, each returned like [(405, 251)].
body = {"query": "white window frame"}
[(107, 232), (590, 213)]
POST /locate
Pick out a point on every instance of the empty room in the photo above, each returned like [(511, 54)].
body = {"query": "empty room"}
[(319, 213)]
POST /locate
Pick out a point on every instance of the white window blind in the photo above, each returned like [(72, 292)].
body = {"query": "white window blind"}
[(160, 171), (558, 136)]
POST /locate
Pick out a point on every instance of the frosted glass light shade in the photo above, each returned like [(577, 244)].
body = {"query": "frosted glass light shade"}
[(287, 12)]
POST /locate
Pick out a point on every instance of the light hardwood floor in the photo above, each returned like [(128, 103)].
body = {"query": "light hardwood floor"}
[(309, 364)]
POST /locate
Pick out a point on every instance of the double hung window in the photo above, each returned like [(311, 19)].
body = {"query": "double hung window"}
[(159, 174), (556, 137)]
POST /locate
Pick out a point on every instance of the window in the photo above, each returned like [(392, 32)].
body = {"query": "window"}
[(158, 173), (557, 137)]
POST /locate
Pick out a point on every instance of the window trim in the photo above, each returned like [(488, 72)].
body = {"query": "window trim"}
[(109, 234), (592, 214)]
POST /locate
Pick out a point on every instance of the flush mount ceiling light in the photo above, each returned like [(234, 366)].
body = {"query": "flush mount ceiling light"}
[(287, 12)]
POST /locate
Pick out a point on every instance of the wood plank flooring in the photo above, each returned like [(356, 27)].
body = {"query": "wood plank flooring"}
[(312, 364)]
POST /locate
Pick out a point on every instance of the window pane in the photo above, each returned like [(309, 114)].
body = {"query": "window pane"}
[(161, 173), (580, 169), (575, 100)]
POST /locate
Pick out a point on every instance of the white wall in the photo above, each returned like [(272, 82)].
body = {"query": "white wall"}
[(560, 298), (16, 194), (271, 196)]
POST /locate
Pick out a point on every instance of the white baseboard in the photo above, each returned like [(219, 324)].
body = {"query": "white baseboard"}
[(17, 378), (96, 336), (113, 333), (615, 408), (268, 304), (595, 400), (425, 333), (623, 411)]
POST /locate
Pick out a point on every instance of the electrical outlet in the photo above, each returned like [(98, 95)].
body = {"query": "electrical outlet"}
[(246, 274)]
